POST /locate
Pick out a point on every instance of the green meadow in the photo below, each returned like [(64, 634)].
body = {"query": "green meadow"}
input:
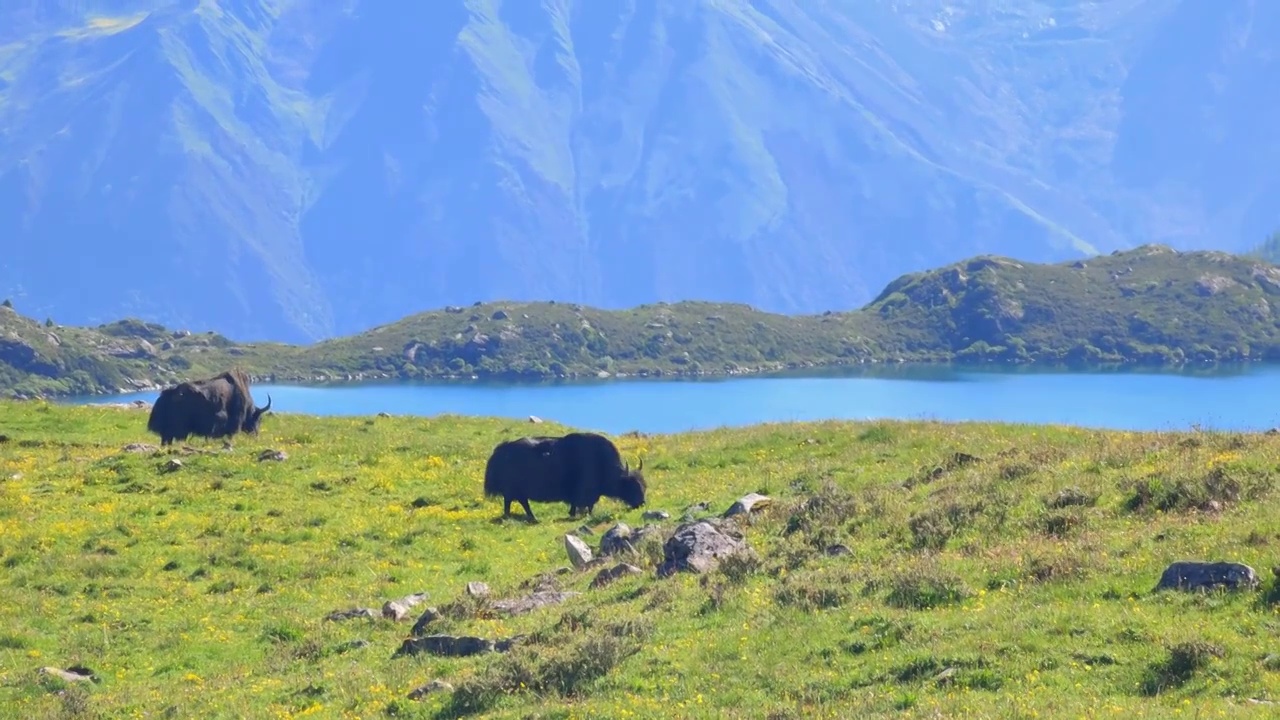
[(993, 571)]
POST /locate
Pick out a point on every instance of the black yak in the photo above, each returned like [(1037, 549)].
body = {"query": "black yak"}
[(576, 469), (219, 406)]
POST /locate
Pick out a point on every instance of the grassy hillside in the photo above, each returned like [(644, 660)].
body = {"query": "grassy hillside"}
[(992, 571), (1149, 305)]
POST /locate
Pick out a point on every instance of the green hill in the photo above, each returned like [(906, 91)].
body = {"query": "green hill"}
[(1150, 305), (907, 570)]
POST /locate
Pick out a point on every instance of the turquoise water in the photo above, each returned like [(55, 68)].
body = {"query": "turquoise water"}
[(1240, 398)]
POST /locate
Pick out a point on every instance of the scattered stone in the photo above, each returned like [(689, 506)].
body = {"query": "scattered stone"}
[(434, 686), (946, 677), (700, 546), (1273, 431), (73, 674), (563, 570), (748, 503), (1191, 575), (838, 549), (453, 645), (273, 455), (340, 615), (656, 515), (477, 589), (579, 553), (427, 617), (535, 419), (4, 438), (699, 507), (585, 529), (617, 540), (398, 610), (384, 414), (529, 603), (499, 315), (139, 448), (357, 644), (173, 465), (608, 575)]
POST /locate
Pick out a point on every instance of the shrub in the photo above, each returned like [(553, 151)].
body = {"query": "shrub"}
[(925, 587), (1184, 661)]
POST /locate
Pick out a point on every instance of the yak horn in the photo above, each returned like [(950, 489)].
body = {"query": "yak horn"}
[(641, 467), (268, 405)]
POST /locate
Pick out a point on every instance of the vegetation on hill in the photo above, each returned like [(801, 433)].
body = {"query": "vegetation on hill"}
[(1269, 249), (987, 571), (1149, 305)]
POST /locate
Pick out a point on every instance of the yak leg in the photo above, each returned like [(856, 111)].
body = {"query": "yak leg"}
[(524, 502), (506, 507)]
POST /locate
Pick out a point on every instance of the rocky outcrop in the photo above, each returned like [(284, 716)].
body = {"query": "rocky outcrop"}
[(700, 546), (1192, 575)]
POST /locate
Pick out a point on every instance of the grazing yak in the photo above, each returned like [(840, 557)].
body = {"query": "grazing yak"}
[(576, 469), (216, 407)]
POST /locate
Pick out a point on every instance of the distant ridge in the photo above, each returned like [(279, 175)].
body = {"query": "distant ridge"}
[(1151, 305)]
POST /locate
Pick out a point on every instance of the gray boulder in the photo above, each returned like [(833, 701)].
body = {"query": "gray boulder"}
[(700, 546), (617, 540), (1192, 575)]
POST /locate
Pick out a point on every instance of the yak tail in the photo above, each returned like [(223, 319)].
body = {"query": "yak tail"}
[(158, 418), (493, 484)]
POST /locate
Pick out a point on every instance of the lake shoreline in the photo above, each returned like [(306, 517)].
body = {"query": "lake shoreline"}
[(1120, 398), (849, 369)]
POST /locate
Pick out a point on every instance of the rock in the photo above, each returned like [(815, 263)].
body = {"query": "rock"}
[(1273, 431), (173, 465), (529, 603), (398, 610), (747, 504), (837, 549), (585, 529), (499, 315), (427, 617), (340, 615), (579, 553), (1191, 575), (617, 540), (139, 448), (946, 677), (434, 686), (384, 414), (656, 515), (1209, 285), (608, 575), (477, 589), (73, 674), (535, 419), (273, 455), (453, 646), (698, 547)]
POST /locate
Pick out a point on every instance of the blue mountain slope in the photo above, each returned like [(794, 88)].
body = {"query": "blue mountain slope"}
[(296, 168)]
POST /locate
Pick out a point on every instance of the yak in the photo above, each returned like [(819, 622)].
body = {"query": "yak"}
[(215, 407), (576, 469)]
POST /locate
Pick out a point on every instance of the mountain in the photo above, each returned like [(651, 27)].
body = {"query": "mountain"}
[(298, 169), (1152, 305)]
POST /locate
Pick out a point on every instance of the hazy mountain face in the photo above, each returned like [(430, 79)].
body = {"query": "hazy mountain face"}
[(298, 168)]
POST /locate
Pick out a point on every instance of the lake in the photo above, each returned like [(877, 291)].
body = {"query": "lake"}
[(1235, 398)]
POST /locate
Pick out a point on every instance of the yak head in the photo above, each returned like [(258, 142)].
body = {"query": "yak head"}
[(631, 485), (255, 416)]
